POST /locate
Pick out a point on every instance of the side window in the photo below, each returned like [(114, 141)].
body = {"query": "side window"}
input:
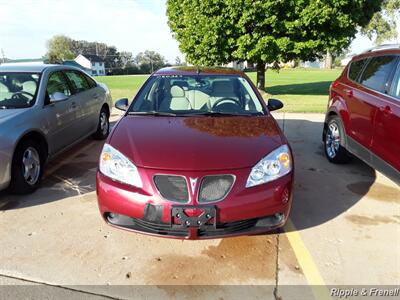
[(355, 69), (57, 83), (78, 81), (376, 73), (395, 89), (90, 81)]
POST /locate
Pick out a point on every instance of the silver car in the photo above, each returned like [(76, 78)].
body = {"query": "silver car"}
[(45, 109)]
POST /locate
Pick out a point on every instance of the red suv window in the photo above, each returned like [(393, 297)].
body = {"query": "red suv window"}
[(355, 69), (377, 72), (395, 89)]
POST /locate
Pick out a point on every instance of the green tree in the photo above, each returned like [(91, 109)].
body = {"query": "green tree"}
[(150, 61), (383, 25), (59, 48), (265, 31)]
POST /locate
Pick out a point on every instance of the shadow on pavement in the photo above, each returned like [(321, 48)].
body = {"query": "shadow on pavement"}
[(71, 174), (322, 190)]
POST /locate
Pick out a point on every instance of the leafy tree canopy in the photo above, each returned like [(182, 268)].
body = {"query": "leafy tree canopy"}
[(265, 31), (383, 25), (59, 49)]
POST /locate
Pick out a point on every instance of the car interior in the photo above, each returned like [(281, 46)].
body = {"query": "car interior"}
[(18, 90), (227, 95)]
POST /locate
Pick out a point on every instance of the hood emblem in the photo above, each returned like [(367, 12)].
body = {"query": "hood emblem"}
[(193, 182)]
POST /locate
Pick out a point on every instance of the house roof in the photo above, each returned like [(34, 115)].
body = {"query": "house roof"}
[(93, 58)]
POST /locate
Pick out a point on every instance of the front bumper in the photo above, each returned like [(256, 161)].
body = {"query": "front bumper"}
[(244, 211)]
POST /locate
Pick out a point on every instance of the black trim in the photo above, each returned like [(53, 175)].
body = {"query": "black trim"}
[(372, 159)]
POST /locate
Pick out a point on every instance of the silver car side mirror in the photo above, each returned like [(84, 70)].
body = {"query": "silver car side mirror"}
[(57, 97)]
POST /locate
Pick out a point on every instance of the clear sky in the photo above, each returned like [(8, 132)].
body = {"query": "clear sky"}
[(130, 25)]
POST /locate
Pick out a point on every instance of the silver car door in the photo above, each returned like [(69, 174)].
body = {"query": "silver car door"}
[(98, 96), (60, 115), (84, 97)]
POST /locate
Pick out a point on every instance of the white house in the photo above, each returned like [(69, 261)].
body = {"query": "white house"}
[(92, 62)]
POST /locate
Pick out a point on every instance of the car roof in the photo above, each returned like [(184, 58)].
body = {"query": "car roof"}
[(192, 70), (31, 68), (377, 52)]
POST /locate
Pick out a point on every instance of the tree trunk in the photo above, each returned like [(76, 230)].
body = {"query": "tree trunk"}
[(261, 76), (328, 60)]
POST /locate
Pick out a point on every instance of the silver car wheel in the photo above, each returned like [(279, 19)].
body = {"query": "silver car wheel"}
[(31, 165), (104, 123), (332, 141)]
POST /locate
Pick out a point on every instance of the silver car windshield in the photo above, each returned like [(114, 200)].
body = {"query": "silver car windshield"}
[(18, 90), (197, 95)]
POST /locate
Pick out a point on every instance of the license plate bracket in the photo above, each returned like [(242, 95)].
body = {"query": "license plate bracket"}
[(201, 221)]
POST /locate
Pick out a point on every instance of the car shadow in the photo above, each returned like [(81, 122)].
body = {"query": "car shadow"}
[(311, 88), (71, 174), (322, 190)]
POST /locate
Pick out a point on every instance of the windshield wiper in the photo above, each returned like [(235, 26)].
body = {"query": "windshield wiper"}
[(151, 113)]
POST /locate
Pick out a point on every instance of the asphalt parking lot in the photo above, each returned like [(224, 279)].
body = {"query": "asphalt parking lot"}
[(344, 229)]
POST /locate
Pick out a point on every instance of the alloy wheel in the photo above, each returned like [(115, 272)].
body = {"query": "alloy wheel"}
[(31, 165)]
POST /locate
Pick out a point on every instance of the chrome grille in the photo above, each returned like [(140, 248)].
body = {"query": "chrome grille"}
[(172, 188), (215, 187)]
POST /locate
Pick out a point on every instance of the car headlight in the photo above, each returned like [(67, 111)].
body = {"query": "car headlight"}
[(115, 165), (275, 165)]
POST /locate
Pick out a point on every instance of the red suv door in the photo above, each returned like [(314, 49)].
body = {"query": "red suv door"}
[(364, 99), (386, 137)]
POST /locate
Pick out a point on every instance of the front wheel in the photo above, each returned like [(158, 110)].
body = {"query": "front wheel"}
[(103, 127), (27, 168), (334, 138)]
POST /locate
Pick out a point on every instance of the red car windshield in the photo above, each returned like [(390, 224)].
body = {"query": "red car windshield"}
[(197, 95), (18, 90)]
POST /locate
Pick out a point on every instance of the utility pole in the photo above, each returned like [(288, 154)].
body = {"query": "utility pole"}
[(3, 56)]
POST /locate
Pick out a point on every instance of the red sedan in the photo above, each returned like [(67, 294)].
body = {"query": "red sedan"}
[(197, 155)]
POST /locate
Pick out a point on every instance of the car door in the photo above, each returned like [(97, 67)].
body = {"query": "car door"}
[(386, 140), (364, 100), (97, 99), (61, 115), (85, 97)]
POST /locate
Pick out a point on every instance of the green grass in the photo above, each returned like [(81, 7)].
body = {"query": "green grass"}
[(123, 86), (301, 90)]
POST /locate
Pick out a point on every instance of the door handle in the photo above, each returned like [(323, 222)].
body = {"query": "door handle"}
[(73, 105), (349, 93), (385, 109)]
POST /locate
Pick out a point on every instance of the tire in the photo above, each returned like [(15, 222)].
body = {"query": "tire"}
[(27, 167), (103, 128), (334, 139)]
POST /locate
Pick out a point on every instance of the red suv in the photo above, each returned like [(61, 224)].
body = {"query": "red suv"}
[(363, 115)]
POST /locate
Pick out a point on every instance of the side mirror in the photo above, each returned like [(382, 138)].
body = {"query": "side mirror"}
[(58, 97), (274, 104), (122, 104)]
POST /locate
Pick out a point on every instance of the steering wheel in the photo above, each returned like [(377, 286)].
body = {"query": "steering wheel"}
[(232, 100), (14, 96)]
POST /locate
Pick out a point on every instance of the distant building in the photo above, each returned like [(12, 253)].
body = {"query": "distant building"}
[(91, 62), (240, 65), (312, 64), (73, 63)]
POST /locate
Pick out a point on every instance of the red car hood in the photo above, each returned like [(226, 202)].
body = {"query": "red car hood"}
[(196, 143)]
